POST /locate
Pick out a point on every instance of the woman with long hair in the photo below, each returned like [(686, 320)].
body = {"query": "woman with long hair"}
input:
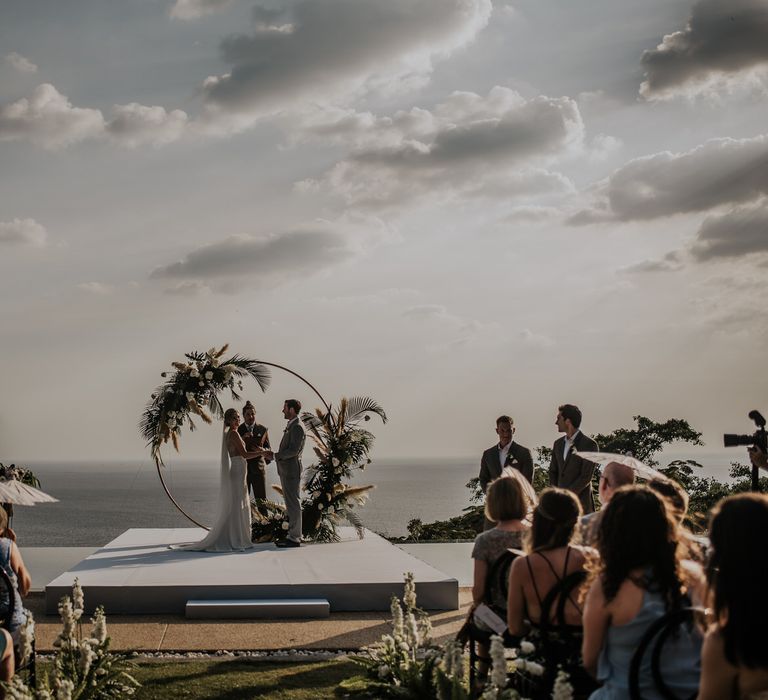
[(231, 530), (551, 556), (735, 655), (640, 577)]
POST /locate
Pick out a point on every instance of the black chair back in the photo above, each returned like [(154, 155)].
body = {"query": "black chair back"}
[(497, 582), (656, 637), (7, 600)]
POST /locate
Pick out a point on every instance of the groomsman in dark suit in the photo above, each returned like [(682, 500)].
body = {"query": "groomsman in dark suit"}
[(566, 469), (506, 453), (255, 437)]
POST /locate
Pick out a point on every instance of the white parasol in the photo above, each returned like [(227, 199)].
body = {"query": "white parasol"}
[(640, 469), (13, 491)]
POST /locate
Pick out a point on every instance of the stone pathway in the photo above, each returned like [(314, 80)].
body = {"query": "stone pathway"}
[(169, 633)]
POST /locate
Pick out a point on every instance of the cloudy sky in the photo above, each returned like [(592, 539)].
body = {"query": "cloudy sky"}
[(457, 207)]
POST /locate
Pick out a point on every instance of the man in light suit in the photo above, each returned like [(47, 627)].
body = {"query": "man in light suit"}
[(566, 469), (506, 453), (288, 457)]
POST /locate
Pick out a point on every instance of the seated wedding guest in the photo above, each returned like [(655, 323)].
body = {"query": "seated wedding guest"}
[(505, 505), (674, 494), (536, 580), (676, 498), (641, 576), (13, 565), (614, 476), (7, 661), (551, 555), (735, 655)]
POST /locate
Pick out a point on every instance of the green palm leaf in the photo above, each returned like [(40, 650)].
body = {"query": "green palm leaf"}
[(358, 408)]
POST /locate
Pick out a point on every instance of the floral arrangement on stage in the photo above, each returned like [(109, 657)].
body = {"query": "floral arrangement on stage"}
[(193, 388), (341, 446), (83, 667)]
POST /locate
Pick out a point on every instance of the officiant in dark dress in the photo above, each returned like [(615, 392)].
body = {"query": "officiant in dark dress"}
[(255, 436)]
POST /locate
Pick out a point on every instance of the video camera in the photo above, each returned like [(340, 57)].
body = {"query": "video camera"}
[(758, 439)]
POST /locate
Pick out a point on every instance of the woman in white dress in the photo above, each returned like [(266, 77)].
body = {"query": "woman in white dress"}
[(231, 530)]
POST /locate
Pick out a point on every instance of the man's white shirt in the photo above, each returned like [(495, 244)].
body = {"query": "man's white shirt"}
[(503, 452), (568, 444)]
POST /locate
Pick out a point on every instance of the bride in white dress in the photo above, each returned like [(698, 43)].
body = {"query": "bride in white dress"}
[(231, 530)]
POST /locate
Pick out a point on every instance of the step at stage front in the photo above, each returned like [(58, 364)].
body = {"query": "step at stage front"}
[(137, 573)]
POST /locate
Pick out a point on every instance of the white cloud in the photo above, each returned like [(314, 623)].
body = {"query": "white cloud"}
[(194, 9), (722, 42), (531, 214), (48, 119), (258, 258), (189, 289), (96, 288), (19, 63), (22, 232), (717, 173), (329, 50), (671, 262), (134, 125), (466, 146), (741, 231)]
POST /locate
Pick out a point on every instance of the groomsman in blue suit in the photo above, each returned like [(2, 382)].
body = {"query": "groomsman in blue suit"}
[(288, 458)]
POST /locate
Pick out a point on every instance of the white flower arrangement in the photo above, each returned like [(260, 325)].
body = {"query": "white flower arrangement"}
[(562, 689), (82, 668)]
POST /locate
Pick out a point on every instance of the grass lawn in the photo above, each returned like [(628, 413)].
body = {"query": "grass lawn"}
[(236, 679)]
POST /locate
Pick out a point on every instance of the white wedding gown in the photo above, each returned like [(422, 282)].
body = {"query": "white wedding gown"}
[(231, 530)]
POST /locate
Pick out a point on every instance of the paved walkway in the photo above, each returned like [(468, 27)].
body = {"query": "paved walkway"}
[(176, 633)]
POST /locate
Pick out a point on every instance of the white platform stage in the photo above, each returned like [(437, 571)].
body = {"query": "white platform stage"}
[(138, 574)]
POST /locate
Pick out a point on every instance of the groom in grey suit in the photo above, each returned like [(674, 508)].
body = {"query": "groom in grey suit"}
[(288, 458)]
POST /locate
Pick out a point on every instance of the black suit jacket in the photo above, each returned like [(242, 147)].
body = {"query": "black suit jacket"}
[(256, 441), (518, 457), (574, 473)]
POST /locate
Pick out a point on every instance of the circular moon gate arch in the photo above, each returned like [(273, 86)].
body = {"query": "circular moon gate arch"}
[(159, 464)]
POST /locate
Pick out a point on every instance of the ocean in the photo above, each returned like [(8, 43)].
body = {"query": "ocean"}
[(99, 501)]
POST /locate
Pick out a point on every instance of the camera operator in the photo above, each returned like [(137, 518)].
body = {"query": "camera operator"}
[(758, 458)]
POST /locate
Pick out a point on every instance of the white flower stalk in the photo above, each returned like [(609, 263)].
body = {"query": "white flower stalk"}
[(527, 648), (64, 689), (531, 667), (99, 621), (425, 628), (195, 373), (87, 657), (411, 630), (562, 689), (209, 375), (18, 690), (26, 639), (78, 600), (68, 621), (397, 619), (498, 674), (409, 595), (335, 462)]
